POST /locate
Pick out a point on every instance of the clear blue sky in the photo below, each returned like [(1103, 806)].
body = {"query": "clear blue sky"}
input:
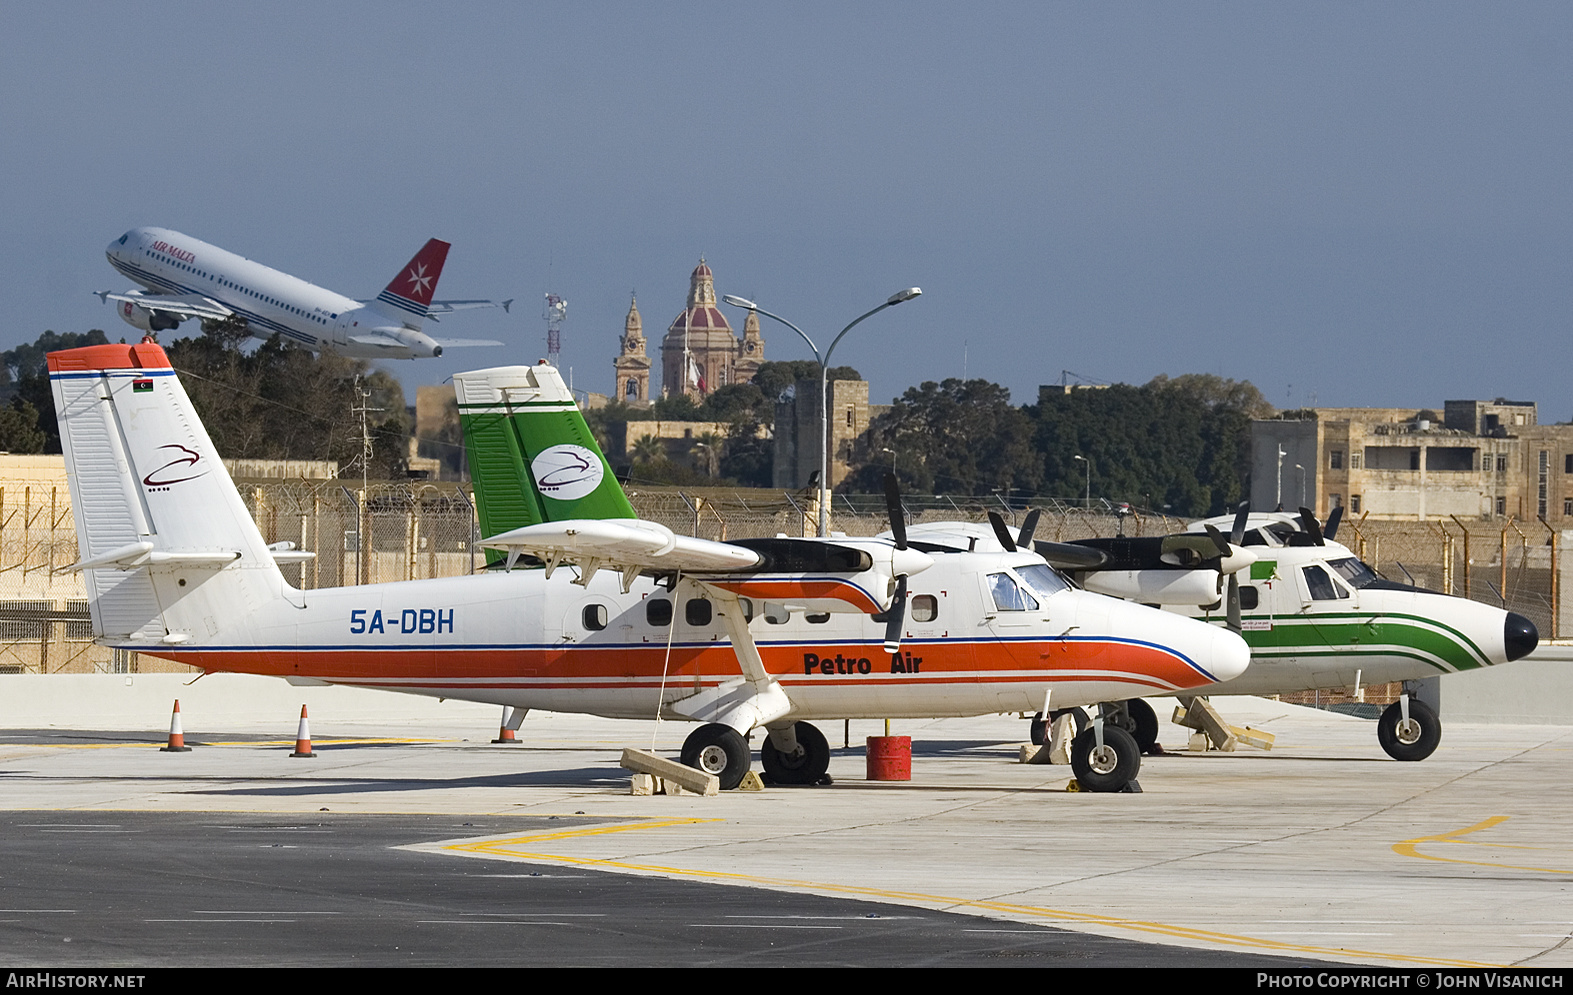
[(1368, 202)]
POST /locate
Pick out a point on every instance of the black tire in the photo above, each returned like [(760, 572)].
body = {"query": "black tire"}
[(1039, 730), (1144, 723), (720, 750), (806, 766), (1111, 769), (1416, 742)]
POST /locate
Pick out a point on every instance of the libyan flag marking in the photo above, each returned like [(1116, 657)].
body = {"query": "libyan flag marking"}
[(141, 385)]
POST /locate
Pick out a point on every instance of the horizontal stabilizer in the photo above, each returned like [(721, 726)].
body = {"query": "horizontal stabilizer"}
[(141, 554)]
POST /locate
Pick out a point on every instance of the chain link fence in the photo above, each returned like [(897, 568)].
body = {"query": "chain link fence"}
[(413, 530)]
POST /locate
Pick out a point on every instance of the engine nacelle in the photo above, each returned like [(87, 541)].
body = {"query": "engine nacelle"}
[(1156, 587), (146, 319)]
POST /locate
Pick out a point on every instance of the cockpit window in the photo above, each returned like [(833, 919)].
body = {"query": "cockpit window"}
[(1354, 571), (1008, 595), (1321, 586), (1043, 579)]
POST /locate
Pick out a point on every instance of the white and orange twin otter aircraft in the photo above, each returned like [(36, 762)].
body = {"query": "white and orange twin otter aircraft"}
[(599, 612), (187, 278)]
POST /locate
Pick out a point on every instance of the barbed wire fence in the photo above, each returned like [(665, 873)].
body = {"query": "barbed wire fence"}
[(410, 530)]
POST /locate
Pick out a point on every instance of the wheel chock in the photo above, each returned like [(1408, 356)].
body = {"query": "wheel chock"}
[(750, 782), (675, 775), (1202, 716)]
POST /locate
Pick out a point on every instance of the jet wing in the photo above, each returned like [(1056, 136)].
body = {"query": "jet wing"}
[(462, 343), (185, 305)]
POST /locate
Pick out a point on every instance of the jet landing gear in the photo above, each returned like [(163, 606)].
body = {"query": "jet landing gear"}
[(1105, 758), (804, 761), (720, 750), (1409, 729)]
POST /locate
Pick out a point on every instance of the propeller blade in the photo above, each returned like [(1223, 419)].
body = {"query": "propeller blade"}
[(896, 617), (1332, 523), (1001, 532), (1311, 528), (1218, 540), (1237, 534), (1232, 604), (898, 515), (1028, 527)]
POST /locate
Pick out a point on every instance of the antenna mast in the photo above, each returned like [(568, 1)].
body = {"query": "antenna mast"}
[(556, 310)]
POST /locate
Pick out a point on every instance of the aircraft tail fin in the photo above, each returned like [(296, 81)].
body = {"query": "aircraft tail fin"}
[(532, 457), (407, 298), (168, 550)]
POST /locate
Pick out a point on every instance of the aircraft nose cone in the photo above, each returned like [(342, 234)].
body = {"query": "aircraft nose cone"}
[(1519, 635), (1230, 655)]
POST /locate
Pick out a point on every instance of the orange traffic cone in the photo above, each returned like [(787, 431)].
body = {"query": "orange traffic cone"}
[(303, 737), (177, 735), (505, 735)]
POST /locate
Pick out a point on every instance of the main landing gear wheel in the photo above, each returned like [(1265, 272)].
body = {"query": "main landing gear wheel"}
[(1110, 767), (1143, 723), (720, 750), (1414, 739), (1040, 728), (806, 766)]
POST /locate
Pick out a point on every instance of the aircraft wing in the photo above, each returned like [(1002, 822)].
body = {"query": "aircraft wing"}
[(628, 544), (462, 343), (184, 305)]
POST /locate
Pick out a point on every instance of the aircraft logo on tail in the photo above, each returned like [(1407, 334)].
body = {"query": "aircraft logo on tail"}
[(188, 458), (567, 472)]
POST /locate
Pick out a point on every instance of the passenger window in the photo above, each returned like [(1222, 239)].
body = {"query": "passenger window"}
[(818, 618), (594, 618), (658, 612), (697, 612), (1249, 598), (925, 608), (777, 614), (748, 608)]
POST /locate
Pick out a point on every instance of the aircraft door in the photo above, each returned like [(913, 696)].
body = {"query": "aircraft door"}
[(339, 331), (1013, 616)]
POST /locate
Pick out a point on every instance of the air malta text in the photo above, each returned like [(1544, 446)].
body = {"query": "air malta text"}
[(407, 622), (838, 664), (170, 250)]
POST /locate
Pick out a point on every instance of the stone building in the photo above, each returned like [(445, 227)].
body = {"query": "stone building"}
[(700, 352), (1482, 459), (631, 364), (797, 430)]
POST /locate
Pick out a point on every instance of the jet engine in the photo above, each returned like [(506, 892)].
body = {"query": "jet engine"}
[(147, 320)]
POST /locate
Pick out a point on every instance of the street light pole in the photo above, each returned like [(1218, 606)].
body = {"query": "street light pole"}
[(824, 382), (1087, 501)]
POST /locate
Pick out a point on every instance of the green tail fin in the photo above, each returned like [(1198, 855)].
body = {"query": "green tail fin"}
[(532, 457)]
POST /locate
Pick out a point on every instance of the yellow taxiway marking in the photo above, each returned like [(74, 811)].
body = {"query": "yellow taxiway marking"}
[(506, 848), (253, 742), (1411, 848)]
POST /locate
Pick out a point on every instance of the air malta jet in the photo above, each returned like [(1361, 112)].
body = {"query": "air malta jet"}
[(622, 618), (188, 278)]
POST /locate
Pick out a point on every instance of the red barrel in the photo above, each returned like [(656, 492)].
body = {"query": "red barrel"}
[(890, 758)]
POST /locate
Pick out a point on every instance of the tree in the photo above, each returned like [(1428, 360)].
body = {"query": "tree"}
[(957, 436), (24, 377)]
